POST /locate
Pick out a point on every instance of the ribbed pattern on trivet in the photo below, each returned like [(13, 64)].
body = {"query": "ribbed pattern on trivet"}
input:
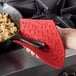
[(44, 31)]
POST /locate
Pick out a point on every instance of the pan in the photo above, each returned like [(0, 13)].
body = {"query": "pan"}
[(15, 16)]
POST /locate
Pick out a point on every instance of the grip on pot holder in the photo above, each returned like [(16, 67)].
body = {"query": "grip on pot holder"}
[(44, 31)]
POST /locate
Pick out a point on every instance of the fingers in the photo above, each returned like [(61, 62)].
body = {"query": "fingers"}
[(37, 56), (31, 52)]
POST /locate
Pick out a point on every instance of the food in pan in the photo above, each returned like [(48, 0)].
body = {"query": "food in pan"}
[(7, 27)]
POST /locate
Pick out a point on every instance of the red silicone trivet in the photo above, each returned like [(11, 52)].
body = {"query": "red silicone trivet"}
[(44, 31)]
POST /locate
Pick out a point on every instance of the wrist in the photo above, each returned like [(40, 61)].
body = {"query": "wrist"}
[(69, 37)]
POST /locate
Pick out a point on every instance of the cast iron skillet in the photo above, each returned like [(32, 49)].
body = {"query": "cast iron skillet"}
[(15, 17)]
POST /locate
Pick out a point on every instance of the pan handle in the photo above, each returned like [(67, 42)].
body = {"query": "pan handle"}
[(34, 43)]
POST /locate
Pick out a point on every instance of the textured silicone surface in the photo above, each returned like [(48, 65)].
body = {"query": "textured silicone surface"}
[(44, 31)]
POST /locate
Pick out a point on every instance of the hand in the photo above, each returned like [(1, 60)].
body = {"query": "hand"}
[(69, 37), (31, 52)]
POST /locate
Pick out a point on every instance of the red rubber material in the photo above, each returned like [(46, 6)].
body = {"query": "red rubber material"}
[(44, 31)]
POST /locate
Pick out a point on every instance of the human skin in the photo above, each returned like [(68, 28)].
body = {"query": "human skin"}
[(68, 36)]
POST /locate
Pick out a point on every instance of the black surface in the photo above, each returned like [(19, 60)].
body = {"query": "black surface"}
[(41, 70), (26, 7), (12, 47)]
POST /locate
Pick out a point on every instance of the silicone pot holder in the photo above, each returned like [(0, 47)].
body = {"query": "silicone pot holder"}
[(44, 31)]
